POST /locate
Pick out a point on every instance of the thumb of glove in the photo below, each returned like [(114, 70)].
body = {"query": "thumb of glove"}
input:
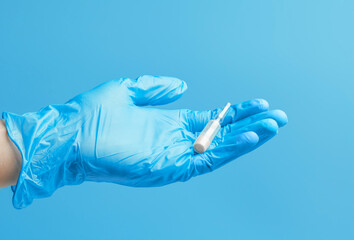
[(151, 90)]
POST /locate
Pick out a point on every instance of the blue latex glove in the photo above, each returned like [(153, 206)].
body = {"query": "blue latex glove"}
[(106, 134)]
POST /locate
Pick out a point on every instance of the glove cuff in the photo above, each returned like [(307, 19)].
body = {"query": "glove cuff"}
[(49, 153)]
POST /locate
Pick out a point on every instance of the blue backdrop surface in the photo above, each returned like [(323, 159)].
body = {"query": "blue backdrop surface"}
[(299, 55)]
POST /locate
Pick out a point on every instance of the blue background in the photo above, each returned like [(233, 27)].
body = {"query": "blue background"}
[(299, 55)]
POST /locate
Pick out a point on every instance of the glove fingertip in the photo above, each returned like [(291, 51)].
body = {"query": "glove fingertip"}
[(183, 86), (248, 138), (178, 85), (156, 90), (282, 118), (262, 103)]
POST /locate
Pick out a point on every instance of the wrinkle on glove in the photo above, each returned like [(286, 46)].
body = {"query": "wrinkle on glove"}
[(107, 135)]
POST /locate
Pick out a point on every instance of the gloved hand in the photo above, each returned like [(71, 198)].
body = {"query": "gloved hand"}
[(106, 134)]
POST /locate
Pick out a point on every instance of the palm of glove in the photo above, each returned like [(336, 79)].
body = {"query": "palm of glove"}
[(126, 143)]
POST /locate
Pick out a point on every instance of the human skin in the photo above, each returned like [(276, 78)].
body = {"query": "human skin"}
[(10, 159)]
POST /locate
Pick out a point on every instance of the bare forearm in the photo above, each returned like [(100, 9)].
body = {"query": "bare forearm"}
[(10, 159)]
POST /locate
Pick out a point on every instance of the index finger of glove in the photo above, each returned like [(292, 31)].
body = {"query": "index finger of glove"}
[(195, 121)]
